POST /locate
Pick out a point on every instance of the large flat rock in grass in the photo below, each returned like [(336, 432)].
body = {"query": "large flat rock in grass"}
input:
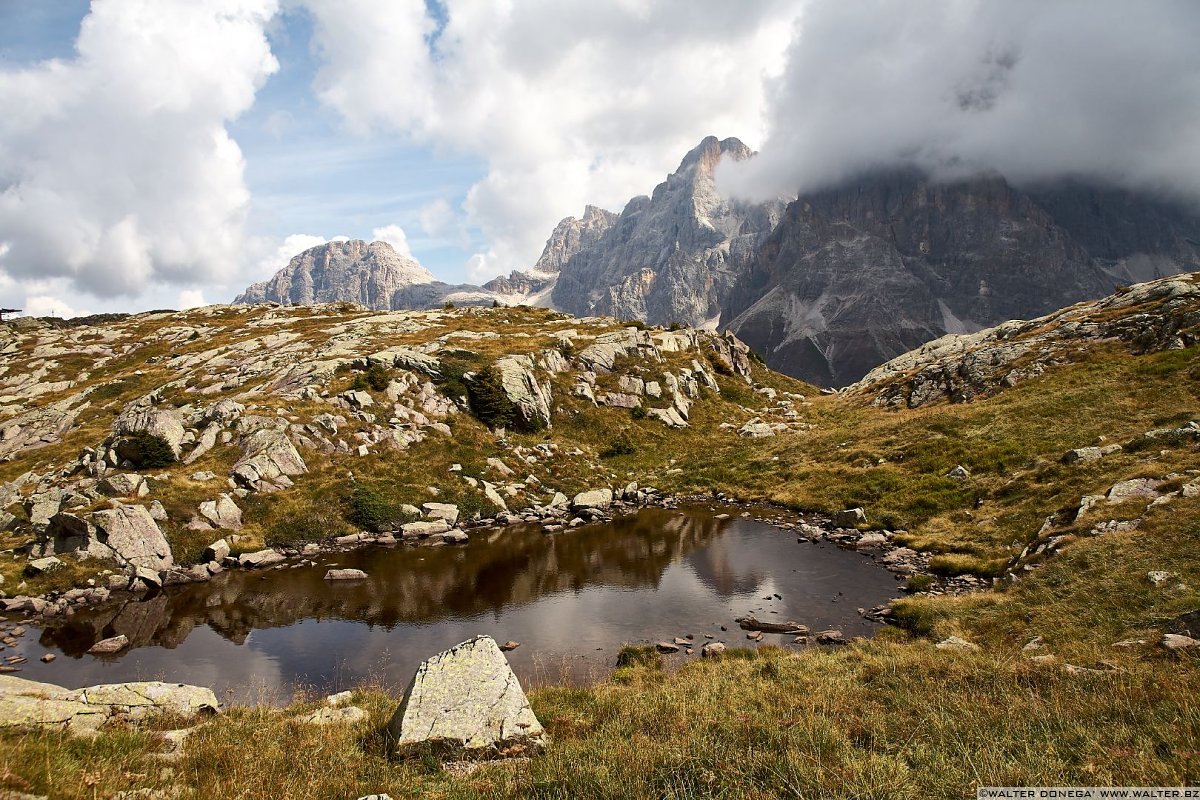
[(30, 705), (465, 701)]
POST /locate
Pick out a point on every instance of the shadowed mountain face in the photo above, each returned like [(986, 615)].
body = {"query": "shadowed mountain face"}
[(858, 274)]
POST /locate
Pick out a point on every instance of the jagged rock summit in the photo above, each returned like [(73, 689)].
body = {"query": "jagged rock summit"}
[(672, 256), (342, 271)]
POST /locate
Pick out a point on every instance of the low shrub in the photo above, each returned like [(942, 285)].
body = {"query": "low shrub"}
[(145, 450), (621, 445)]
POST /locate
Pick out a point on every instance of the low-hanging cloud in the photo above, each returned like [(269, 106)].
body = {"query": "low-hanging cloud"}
[(1101, 90), (116, 170)]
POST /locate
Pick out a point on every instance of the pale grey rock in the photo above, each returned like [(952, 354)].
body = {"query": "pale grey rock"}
[(957, 644), (1160, 578), (668, 416), (1135, 488), (166, 423), (345, 575), (959, 473), (523, 389), (222, 513), (465, 699), (756, 430), (39, 566), (30, 705), (594, 498), (348, 715), (134, 537), (712, 650), (266, 455), (260, 559), (448, 512), (114, 644), (850, 518), (217, 551), (1177, 642), (621, 400), (158, 512), (124, 484), (420, 530)]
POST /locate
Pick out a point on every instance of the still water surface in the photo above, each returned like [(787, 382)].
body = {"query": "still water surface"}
[(571, 599)]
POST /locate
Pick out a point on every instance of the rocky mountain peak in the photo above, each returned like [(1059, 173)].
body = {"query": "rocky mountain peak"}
[(572, 235), (708, 153), (341, 271)]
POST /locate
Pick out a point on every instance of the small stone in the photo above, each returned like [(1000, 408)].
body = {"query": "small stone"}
[(1176, 642), (666, 647), (1161, 578), (333, 716), (712, 650), (41, 566), (46, 659), (339, 699), (957, 644), (509, 645), (850, 518), (831, 636), (959, 473), (345, 575), (114, 644)]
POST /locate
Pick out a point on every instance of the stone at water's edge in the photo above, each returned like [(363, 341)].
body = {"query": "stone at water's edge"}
[(465, 699)]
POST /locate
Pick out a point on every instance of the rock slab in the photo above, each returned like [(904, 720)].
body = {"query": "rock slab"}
[(465, 700)]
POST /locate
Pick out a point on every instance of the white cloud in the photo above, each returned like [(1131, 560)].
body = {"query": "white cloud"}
[(393, 235), (276, 256), (480, 269), (569, 102), (118, 171), (1099, 90), (436, 218), (191, 298), (46, 306)]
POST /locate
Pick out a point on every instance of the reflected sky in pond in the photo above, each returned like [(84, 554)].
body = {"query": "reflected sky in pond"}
[(571, 599)]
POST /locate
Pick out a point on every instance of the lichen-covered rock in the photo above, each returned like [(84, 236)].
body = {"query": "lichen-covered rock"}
[(595, 498), (165, 423), (134, 537), (465, 699), (28, 704), (266, 455), (222, 513), (522, 388)]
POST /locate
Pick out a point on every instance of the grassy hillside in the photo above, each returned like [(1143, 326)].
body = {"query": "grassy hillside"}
[(895, 717)]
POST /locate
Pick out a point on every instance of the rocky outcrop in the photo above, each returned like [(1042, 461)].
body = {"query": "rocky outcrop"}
[(26, 705), (520, 384), (465, 700), (349, 271), (267, 455), (1151, 316), (673, 256), (165, 423)]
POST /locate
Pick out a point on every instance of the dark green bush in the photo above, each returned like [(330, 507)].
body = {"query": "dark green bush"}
[(145, 450), (489, 403), (622, 445), (372, 508), (378, 377), (638, 412)]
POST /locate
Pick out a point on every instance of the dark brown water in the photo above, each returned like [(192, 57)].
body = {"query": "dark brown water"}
[(571, 599)]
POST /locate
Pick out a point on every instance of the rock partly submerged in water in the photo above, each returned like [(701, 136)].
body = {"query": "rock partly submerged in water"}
[(465, 701)]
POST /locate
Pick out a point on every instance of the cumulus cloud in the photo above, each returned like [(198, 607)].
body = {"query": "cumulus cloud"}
[(276, 256), (393, 235), (117, 170), (43, 305), (1100, 90), (191, 298), (567, 101)]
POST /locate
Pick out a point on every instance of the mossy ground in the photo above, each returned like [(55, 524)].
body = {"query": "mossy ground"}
[(890, 718)]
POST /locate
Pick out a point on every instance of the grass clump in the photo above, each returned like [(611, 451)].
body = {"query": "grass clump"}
[(621, 445)]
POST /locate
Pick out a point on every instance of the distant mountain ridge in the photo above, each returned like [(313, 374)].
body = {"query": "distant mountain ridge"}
[(825, 287)]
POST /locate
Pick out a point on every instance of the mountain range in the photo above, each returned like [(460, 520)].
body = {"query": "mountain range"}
[(825, 287)]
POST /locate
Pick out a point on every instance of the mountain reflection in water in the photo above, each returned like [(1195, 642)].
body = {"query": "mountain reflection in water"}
[(571, 599)]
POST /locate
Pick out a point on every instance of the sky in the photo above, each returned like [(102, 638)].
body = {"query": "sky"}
[(167, 153)]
